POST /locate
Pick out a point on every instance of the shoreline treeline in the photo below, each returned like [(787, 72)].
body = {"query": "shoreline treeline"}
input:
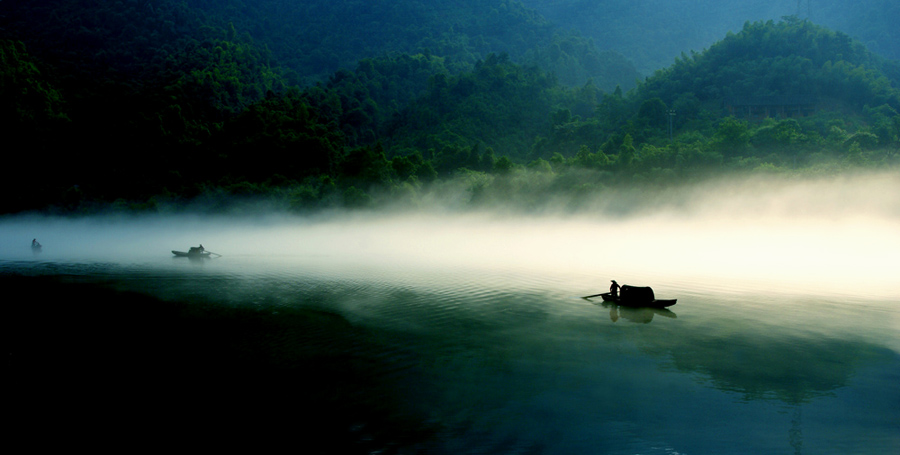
[(140, 105)]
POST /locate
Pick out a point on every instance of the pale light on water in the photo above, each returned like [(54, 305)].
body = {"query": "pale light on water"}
[(822, 237), (845, 257), (513, 360), (784, 338)]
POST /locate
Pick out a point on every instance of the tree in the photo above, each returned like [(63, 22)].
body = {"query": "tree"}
[(732, 137), (503, 165), (626, 153)]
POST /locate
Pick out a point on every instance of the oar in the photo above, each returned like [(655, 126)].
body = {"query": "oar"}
[(217, 254), (595, 295)]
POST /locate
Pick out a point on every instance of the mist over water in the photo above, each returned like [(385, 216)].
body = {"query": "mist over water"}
[(464, 331), (832, 235)]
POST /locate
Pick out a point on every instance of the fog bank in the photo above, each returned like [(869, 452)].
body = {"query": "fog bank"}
[(834, 235)]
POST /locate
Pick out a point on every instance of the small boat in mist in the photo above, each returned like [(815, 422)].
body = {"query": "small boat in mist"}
[(635, 296), (195, 252), (192, 254), (36, 246)]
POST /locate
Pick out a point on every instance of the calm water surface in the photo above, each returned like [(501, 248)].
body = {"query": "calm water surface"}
[(476, 358)]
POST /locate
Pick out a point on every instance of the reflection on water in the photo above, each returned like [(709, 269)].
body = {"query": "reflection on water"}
[(632, 314), (355, 356)]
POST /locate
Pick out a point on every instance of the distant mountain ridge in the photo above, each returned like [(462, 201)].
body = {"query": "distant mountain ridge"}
[(653, 33), (312, 39), (307, 40)]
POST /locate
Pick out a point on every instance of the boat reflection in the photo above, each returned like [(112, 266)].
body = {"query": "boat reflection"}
[(633, 314)]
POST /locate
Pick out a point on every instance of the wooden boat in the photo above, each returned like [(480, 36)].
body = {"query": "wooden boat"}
[(655, 303), (193, 253), (635, 296)]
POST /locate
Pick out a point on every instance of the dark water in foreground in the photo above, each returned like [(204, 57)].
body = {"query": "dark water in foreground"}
[(319, 355)]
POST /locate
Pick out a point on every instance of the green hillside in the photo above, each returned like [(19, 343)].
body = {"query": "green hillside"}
[(653, 33), (146, 105)]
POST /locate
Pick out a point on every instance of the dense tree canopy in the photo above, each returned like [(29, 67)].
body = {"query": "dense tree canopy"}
[(160, 102), (653, 33)]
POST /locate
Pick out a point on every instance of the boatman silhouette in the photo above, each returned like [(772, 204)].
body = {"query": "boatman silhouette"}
[(614, 289)]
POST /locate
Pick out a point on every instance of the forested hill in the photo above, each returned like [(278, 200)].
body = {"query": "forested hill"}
[(307, 40), (653, 33), (312, 39), (159, 103), (789, 58)]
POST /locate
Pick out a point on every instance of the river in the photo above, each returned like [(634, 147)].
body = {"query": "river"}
[(455, 334)]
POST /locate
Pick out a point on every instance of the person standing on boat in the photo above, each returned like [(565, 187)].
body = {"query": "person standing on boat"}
[(614, 289)]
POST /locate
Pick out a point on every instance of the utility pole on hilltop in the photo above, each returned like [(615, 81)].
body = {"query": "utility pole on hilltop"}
[(670, 113)]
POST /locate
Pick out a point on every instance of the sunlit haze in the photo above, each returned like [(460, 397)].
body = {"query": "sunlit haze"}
[(833, 235)]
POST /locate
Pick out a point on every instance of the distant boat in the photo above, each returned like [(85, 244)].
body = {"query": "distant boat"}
[(36, 246), (635, 296), (194, 253)]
